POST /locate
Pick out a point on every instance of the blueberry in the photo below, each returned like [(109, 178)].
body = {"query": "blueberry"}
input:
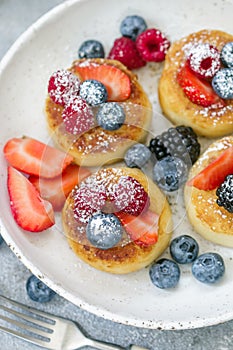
[(226, 54), (110, 116), (170, 173), (104, 230), (137, 156), (208, 268), (38, 291), (132, 26), (93, 91), (184, 249), (91, 49), (222, 83), (164, 273)]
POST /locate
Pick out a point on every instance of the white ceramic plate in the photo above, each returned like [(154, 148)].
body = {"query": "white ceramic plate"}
[(52, 43)]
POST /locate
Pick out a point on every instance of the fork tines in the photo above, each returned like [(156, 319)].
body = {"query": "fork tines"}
[(25, 322)]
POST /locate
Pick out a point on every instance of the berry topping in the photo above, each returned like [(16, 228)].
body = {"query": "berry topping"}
[(170, 173), (152, 45), (180, 141), (137, 156), (93, 92), (29, 210), (115, 80), (222, 83), (56, 189), (38, 291), (198, 90), (132, 26), (164, 273), (91, 49), (78, 117), (89, 199), (63, 87), (110, 116), (125, 50), (225, 194), (104, 231), (142, 229), (36, 158), (208, 268), (129, 196), (204, 60), (227, 54), (214, 174), (184, 249)]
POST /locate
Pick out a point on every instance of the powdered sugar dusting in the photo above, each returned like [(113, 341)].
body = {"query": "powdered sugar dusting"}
[(109, 191), (99, 193), (98, 142), (204, 59), (63, 87), (78, 117), (214, 112)]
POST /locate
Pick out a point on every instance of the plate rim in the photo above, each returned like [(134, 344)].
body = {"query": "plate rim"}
[(106, 314)]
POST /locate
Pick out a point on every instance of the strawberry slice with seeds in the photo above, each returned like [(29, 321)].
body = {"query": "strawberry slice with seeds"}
[(142, 229), (198, 90), (214, 174), (34, 157), (114, 79), (29, 210), (56, 189)]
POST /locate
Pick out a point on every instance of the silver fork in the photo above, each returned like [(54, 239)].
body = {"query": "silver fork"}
[(48, 331)]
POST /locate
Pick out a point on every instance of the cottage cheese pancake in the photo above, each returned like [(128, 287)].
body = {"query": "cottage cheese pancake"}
[(97, 146), (131, 253), (210, 116), (212, 221)]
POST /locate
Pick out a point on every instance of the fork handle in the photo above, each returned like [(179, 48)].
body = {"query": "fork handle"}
[(107, 346)]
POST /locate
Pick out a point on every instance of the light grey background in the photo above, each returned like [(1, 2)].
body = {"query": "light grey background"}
[(15, 17)]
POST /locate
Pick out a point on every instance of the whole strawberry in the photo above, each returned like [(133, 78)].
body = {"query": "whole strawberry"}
[(124, 50)]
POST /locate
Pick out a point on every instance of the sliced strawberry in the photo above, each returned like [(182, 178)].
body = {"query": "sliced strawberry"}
[(56, 189), (34, 157), (142, 229), (198, 90), (214, 174), (116, 82), (29, 210)]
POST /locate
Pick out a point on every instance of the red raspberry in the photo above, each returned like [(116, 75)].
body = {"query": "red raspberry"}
[(63, 86), (124, 50), (89, 199), (152, 45), (204, 60), (78, 117), (130, 197)]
